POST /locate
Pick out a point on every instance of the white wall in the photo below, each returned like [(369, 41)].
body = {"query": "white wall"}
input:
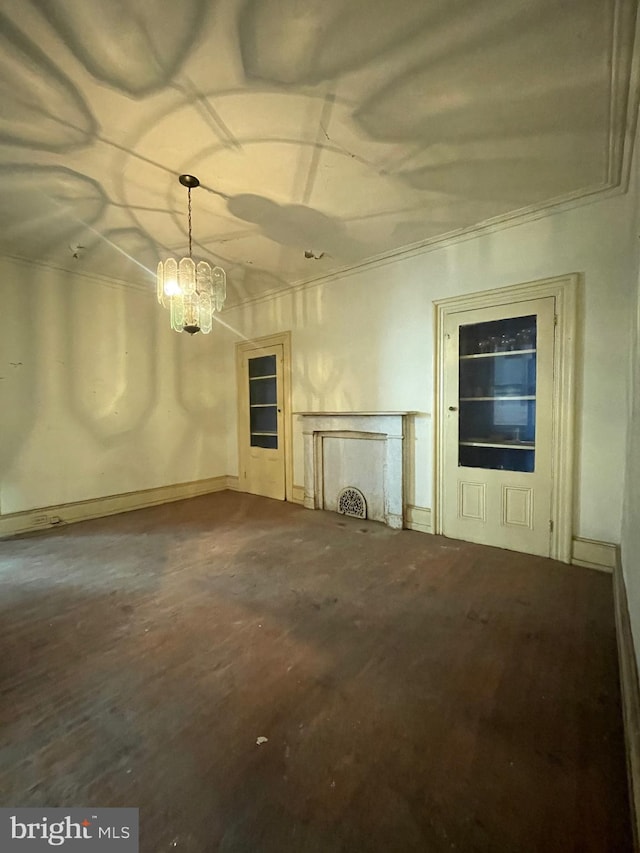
[(97, 395), (630, 546), (631, 522), (364, 341)]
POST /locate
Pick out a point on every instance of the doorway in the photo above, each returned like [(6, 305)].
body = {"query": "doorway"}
[(504, 417), (264, 416)]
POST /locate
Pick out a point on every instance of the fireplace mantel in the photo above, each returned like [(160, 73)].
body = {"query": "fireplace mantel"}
[(383, 426)]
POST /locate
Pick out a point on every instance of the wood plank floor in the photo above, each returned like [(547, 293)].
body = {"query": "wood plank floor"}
[(417, 693)]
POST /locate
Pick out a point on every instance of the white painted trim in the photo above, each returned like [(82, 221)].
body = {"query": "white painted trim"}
[(588, 553), (625, 91), (418, 518), (593, 554), (233, 483), (630, 694), (297, 495), (139, 287), (44, 518), (564, 290)]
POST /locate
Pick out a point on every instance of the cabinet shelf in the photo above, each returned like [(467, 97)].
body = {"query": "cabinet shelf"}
[(262, 405), (502, 397), (497, 354), (263, 432), (507, 445), (257, 378)]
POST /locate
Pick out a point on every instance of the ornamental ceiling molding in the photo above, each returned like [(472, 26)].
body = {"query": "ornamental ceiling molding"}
[(94, 277), (620, 88)]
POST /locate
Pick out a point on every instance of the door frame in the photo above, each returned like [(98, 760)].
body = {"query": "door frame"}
[(564, 289), (254, 346)]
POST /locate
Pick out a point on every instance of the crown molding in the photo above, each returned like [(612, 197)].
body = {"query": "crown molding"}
[(624, 97), (491, 226), (452, 238), (623, 119), (624, 94), (90, 276)]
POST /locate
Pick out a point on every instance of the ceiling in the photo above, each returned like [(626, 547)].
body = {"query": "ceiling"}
[(343, 130)]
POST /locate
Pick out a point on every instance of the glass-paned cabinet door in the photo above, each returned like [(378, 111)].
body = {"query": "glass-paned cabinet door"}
[(497, 394), (263, 402)]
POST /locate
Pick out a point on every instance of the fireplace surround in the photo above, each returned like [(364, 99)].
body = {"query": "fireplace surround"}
[(362, 450)]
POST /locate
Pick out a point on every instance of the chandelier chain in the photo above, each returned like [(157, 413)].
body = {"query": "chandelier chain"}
[(189, 221)]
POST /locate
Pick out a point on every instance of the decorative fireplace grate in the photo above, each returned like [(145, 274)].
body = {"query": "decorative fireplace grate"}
[(351, 502)]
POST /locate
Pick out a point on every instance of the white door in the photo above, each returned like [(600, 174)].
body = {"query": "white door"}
[(498, 430), (260, 394)]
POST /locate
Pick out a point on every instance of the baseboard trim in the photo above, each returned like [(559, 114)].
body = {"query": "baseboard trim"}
[(47, 517), (418, 518), (630, 690), (588, 553), (415, 517), (585, 552), (592, 554), (297, 497)]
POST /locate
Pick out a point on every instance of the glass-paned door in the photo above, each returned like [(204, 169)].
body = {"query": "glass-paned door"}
[(497, 394), (261, 423), (498, 432)]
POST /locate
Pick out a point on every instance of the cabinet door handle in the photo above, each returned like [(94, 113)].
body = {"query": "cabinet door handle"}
[(453, 408)]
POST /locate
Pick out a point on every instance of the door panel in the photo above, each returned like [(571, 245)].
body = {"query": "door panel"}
[(260, 397), (498, 387)]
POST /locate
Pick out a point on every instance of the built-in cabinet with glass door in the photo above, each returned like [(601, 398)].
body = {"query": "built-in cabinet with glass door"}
[(497, 394), (497, 426), (263, 402), (260, 420)]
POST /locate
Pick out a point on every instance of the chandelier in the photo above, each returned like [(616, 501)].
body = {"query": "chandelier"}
[(191, 292)]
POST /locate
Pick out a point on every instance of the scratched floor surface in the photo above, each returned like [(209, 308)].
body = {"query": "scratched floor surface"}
[(415, 693)]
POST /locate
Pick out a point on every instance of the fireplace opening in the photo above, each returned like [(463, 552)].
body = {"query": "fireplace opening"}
[(352, 502)]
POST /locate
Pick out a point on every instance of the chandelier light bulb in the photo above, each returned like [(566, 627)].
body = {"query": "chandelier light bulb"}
[(171, 288)]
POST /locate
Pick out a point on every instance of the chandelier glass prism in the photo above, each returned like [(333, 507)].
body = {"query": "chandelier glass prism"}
[(192, 292)]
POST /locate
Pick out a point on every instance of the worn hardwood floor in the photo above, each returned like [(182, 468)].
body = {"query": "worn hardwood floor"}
[(417, 693)]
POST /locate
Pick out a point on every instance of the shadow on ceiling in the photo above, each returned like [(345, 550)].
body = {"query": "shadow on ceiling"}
[(138, 46)]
